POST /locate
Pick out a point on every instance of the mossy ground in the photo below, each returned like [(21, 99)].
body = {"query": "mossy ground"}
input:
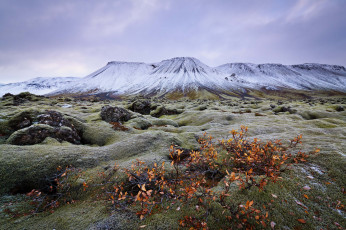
[(321, 126)]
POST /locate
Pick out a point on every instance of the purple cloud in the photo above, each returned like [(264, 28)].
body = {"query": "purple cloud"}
[(73, 38)]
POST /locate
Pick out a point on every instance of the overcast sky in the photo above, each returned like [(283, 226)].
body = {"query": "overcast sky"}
[(41, 38)]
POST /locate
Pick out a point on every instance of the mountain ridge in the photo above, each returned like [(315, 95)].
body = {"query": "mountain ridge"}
[(189, 73)]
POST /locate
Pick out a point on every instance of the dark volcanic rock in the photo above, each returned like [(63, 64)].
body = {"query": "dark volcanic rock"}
[(115, 114), (142, 107), (25, 97), (32, 127), (22, 120), (282, 109), (161, 110), (53, 118), (37, 133), (27, 118), (339, 108), (7, 95)]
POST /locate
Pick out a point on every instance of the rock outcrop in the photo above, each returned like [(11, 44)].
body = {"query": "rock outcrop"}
[(115, 114)]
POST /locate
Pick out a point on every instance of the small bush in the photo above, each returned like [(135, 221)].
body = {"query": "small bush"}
[(198, 183), (192, 175)]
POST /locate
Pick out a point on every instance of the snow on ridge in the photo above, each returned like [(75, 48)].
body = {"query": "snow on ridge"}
[(305, 76), (184, 73), (39, 85)]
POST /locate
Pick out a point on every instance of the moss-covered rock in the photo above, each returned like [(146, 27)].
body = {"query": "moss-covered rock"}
[(115, 114), (23, 119), (282, 109), (339, 108), (162, 110), (37, 133), (140, 123), (141, 106), (163, 122), (311, 115)]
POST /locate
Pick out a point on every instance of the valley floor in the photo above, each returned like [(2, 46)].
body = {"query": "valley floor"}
[(321, 121)]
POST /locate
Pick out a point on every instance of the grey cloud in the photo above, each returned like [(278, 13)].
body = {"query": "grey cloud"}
[(64, 38)]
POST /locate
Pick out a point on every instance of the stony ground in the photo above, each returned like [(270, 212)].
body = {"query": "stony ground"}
[(88, 142)]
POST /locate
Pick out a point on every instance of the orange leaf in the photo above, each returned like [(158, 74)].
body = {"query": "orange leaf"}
[(306, 196), (251, 203), (302, 221)]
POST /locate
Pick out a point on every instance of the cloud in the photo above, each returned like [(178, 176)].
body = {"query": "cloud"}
[(113, 17), (306, 9), (64, 38)]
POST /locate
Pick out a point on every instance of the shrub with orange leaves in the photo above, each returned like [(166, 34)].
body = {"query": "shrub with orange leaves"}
[(255, 159), (194, 173), (59, 190), (191, 177), (146, 185)]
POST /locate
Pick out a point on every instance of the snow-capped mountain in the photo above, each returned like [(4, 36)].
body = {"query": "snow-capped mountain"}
[(187, 73), (276, 76), (39, 86), (133, 77), (182, 73), (115, 76)]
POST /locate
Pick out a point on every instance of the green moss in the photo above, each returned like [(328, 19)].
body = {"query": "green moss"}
[(336, 121), (311, 115), (31, 164), (193, 119), (171, 117), (74, 216), (163, 122), (139, 123), (99, 133), (323, 124), (5, 128)]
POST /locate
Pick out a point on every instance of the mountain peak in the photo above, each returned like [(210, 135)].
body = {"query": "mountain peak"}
[(182, 65), (184, 59), (124, 63)]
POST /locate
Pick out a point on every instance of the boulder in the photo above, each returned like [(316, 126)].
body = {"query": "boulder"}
[(32, 127), (339, 108), (23, 119), (7, 95), (164, 122), (162, 110), (25, 97), (115, 114), (142, 107), (37, 133), (27, 118), (53, 118), (141, 123), (282, 109)]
